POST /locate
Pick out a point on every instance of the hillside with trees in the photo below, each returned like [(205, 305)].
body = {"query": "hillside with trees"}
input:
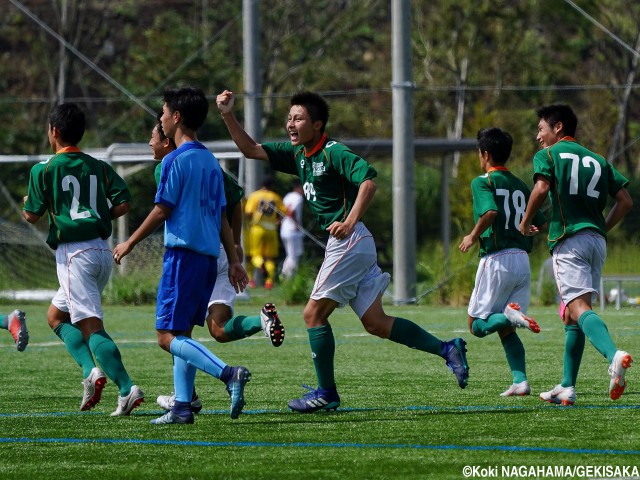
[(475, 63)]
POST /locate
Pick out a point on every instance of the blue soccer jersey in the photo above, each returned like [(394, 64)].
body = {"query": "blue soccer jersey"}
[(192, 185)]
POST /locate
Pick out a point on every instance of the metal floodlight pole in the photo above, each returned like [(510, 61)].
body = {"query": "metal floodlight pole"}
[(252, 89), (404, 211)]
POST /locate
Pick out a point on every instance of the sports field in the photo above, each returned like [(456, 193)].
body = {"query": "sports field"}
[(402, 414)]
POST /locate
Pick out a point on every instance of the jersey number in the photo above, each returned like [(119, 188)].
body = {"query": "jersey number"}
[(575, 169), (71, 183), (309, 191), (515, 198)]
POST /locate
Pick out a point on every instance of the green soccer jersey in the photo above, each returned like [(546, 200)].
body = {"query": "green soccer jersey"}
[(77, 191), (331, 175), (501, 191), (233, 194), (580, 181)]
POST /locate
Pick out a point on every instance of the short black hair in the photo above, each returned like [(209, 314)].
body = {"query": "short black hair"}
[(559, 112), (497, 142), (191, 102), (70, 121), (316, 106)]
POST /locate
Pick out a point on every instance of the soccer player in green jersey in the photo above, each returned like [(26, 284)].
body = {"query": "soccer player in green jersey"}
[(503, 280), (81, 195), (339, 187), (578, 183)]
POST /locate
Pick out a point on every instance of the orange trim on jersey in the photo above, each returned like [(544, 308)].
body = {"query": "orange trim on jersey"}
[(500, 168), (317, 148), (70, 149)]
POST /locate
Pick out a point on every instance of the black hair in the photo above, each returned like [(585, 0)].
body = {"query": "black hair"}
[(70, 121), (559, 112), (497, 142), (163, 137), (316, 106), (191, 102)]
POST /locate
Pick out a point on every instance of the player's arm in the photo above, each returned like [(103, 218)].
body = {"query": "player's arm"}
[(30, 216), (538, 196), (236, 229), (156, 217), (484, 222), (119, 210), (247, 145), (620, 208), (366, 191), (237, 274)]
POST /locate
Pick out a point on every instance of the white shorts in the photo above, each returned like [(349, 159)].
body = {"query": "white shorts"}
[(350, 272), (223, 292), (83, 271), (577, 264), (502, 278)]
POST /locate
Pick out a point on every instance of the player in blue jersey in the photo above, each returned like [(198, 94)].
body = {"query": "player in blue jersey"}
[(223, 325), (190, 201)]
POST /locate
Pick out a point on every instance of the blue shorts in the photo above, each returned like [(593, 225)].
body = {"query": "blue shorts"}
[(185, 287)]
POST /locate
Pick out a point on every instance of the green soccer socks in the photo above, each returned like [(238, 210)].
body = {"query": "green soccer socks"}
[(597, 333), (412, 335), (72, 338), (242, 326), (109, 358), (573, 349), (514, 351), (494, 322), (323, 349)]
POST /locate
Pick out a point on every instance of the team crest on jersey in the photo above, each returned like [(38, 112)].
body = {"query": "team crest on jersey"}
[(318, 169), (302, 163)]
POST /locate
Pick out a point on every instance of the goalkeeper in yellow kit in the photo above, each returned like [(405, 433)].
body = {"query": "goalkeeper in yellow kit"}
[(261, 210)]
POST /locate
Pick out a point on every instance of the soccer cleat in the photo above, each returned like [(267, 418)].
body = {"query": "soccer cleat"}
[(128, 403), (17, 325), (93, 386), (621, 361), (560, 395), (517, 389), (315, 400), (235, 388), (170, 417), (271, 324), (454, 352), (166, 402), (519, 319)]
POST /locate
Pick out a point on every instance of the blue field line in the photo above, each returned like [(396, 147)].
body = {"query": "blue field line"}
[(414, 408), (193, 443)]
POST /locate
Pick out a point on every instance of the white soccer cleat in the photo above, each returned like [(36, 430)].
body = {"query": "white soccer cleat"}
[(92, 389), (621, 361), (271, 325), (167, 402), (517, 389), (128, 403), (519, 319), (560, 395)]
